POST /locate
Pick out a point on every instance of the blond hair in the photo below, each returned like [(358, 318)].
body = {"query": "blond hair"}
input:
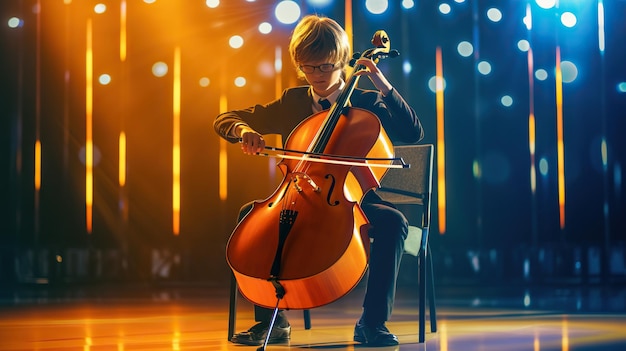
[(319, 39)]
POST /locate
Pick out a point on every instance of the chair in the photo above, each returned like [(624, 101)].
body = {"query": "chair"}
[(410, 189)]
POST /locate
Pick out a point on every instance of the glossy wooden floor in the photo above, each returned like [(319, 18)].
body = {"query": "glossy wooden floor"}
[(195, 318)]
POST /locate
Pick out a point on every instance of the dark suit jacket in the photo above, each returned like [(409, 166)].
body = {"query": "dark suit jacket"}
[(281, 116)]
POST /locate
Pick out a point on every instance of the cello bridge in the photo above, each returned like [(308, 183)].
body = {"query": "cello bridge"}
[(303, 176)]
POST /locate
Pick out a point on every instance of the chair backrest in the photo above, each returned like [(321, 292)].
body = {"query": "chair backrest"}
[(411, 185)]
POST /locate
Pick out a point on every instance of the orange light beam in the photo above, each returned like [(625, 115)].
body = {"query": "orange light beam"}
[(122, 159), (89, 128), (123, 30), (176, 145), (560, 145), (223, 154), (37, 165), (531, 113), (441, 147)]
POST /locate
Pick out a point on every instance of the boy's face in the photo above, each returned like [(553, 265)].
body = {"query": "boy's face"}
[(323, 83)]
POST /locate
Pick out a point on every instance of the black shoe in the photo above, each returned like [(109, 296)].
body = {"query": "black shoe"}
[(374, 335), (256, 335)]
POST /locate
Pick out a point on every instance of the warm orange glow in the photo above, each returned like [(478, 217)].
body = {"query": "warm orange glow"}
[(531, 116), (443, 336), (531, 147), (122, 159), (349, 29), (176, 146), (536, 342), (441, 148), (89, 128), (223, 158), (348, 26), (278, 64), (37, 165), (559, 131), (123, 30), (564, 335)]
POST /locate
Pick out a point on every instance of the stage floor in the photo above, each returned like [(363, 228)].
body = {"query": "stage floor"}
[(195, 318)]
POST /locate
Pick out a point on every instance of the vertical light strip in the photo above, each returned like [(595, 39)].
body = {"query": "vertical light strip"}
[(223, 158), (441, 149), (601, 26), (531, 109), (532, 128), (122, 159), (559, 132), (564, 335), (89, 128), (37, 165), (176, 146), (278, 68), (123, 30), (122, 169), (348, 25), (349, 28), (37, 156)]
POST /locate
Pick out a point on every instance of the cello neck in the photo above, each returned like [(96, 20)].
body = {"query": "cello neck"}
[(381, 50)]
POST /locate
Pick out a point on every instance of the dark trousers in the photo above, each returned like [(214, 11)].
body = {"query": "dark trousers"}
[(389, 229)]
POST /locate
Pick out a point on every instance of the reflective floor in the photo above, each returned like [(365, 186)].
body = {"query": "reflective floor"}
[(195, 318)]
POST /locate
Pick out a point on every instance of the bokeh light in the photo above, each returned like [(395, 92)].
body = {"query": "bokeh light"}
[(159, 69), (204, 82), (445, 8), (484, 67), (541, 74), (212, 3), (432, 84), (287, 12), (570, 71), (100, 8), (494, 14), (235, 41), (546, 4), (506, 101), (14, 22), (376, 7), (240, 81), (523, 45), (465, 48), (104, 79), (568, 19), (265, 28)]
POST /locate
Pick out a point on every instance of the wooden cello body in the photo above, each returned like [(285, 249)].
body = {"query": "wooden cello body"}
[(307, 245)]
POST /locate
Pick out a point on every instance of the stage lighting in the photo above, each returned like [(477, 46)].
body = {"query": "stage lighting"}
[(465, 48), (546, 4), (159, 69), (484, 67), (14, 22), (445, 9), (287, 12), (376, 7), (494, 14), (568, 19)]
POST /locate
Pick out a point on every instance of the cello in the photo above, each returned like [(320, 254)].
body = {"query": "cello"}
[(307, 245)]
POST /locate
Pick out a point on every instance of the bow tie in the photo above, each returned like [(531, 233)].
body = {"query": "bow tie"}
[(325, 104)]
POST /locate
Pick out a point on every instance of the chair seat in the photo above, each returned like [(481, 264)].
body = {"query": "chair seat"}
[(399, 199), (413, 241)]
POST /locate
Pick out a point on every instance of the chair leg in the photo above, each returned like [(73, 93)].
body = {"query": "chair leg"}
[(307, 319), (422, 296), (431, 293), (232, 308)]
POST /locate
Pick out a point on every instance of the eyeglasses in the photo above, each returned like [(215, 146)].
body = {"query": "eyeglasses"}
[(325, 67)]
